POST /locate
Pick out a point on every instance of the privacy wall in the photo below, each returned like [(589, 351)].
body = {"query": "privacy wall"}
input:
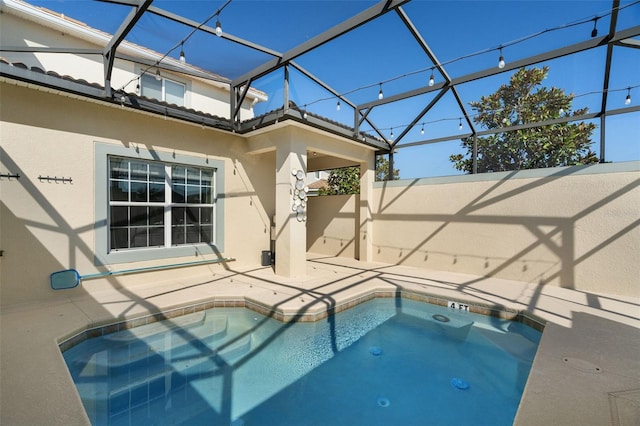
[(574, 227)]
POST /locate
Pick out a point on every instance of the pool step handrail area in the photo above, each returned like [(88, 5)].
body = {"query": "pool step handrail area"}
[(70, 278)]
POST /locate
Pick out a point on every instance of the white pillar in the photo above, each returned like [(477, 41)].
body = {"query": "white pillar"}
[(364, 222), (291, 233)]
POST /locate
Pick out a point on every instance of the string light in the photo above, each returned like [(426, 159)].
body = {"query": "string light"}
[(380, 94), (422, 129), (218, 28), (304, 115), (432, 79), (391, 135), (182, 58), (338, 106), (594, 31), (501, 59), (158, 76), (460, 125), (138, 87), (627, 100)]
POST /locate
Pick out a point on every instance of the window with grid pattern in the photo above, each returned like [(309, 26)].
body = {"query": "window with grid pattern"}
[(153, 204)]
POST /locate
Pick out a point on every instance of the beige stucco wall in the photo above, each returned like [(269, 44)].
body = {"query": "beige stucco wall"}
[(47, 227), (331, 225), (571, 227), (201, 95)]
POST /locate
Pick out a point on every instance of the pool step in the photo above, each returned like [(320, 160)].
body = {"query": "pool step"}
[(157, 344), (172, 376), (137, 333)]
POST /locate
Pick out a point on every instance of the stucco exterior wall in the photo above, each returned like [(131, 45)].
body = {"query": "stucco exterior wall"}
[(331, 225), (47, 227), (209, 97), (575, 227)]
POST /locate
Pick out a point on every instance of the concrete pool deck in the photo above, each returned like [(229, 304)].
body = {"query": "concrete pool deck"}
[(586, 371)]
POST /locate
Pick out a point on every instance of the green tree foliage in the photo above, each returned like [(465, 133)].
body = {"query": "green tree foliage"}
[(345, 180), (382, 169), (522, 101)]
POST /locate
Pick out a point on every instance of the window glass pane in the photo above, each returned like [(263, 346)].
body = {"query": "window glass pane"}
[(206, 214), (205, 195), (138, 216), (119, 168), (206, 233), (119, 190), (193, 215), (139, 237), (119, 238), (156, 172), (178, 194), (156, 236), (119, 216), (151, 88), (177, 235), (177, 215), (178, 174), (193, 194), (156, 192), (156, 215), (193, 176), (207, 177), (138, 170), (139, 191), (174, 92), (193, 234)]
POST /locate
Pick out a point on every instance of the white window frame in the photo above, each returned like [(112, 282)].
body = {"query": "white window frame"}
[(105, 255)]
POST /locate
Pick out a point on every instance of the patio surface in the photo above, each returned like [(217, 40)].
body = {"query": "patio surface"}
[(586, 371)]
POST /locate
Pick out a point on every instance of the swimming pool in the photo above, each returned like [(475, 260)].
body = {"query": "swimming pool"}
[(384, 362)]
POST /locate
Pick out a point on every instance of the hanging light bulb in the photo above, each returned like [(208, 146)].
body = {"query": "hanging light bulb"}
[(304, 115), (338, 106), (594, 31), (182, 58), (391, 135), (627, 100), (432, 79), (218, 28), (422, 129), (460, 124), (501, 60), (561, 112), (380, 94), (138, 87), (158, 76)]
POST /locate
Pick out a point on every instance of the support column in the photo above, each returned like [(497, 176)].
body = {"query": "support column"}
[(291, 233), (364, 247)]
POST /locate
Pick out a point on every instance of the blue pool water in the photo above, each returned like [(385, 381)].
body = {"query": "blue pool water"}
[(384, 362)]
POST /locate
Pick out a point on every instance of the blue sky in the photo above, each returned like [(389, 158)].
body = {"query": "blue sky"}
[(384, 51)]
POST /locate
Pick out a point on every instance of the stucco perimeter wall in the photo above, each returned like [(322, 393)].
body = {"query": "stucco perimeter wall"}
[(331, 226), (47, 226), (574, 227)]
